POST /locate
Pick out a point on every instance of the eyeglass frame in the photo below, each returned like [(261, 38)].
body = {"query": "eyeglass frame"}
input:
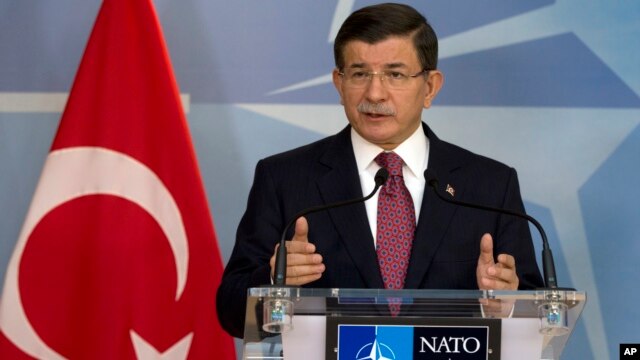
[(381, 74)]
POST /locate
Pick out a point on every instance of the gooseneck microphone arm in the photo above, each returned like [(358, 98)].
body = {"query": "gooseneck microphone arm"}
[(280, 270), (548, 266)]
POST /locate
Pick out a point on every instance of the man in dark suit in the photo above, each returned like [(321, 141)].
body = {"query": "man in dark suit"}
[(386, 73)]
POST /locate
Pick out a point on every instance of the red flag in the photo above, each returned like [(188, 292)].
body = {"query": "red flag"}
[(117, 258)]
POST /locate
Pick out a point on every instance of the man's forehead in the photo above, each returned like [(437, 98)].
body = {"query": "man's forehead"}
[(364, 65), (394, 52)]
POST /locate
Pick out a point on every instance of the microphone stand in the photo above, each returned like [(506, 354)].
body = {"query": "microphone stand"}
[(553, 311)]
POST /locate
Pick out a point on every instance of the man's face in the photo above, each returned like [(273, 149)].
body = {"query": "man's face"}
[(387, 116)]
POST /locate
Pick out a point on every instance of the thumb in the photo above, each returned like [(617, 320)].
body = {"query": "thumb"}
[(301, 230), (486, 250)]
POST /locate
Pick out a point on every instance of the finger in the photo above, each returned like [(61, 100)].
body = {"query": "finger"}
[(303, 259), (508, 273), (298, 253), (486, 250), (303, 274), (300, 247), (501, 273), (494, 284), (304, 270), (507, 261), (301, 230), (501, 278), (302, 280), (504, 269), (294, 248)]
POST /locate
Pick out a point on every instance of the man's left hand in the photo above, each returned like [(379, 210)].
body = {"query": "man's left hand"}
[(492, 275)]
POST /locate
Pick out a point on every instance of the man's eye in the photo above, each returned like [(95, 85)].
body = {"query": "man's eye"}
[(396, 75), (358, 75)]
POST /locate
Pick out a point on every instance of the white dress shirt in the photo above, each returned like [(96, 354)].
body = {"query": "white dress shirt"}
[(414, 152)]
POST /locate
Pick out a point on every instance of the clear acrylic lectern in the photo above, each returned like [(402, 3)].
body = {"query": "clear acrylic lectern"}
[(308, 324)]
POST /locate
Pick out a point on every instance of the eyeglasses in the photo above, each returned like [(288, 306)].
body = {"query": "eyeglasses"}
[(393, 79)]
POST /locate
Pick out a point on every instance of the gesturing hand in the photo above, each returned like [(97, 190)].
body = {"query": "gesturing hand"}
[(491, 275), (304, 265)]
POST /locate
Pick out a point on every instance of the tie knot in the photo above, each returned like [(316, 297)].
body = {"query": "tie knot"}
[(391, 161)]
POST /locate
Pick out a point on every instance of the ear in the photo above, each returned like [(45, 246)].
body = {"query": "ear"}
[(337, 82), (434, 83)]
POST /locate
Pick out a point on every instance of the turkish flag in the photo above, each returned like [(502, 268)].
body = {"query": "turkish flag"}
[(117, 258)]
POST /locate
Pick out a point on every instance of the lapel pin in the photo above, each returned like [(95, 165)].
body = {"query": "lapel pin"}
[(450, 190)]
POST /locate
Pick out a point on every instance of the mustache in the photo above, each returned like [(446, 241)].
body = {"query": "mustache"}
[(378, 109)]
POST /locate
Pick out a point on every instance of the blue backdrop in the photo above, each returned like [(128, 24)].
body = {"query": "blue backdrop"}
[(549, 87)]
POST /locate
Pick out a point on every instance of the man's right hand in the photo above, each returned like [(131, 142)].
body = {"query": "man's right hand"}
[(303, 264)]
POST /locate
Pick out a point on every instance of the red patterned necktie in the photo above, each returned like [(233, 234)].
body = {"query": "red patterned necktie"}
[(396, 223)]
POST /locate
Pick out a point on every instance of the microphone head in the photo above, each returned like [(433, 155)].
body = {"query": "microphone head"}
[(381, 176), (431, 178)]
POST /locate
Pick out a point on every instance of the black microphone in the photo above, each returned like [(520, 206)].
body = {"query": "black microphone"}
[(280, 271), (548, 266)]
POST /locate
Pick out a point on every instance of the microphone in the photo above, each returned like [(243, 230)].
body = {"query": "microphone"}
[(280, 271), (548, 265)]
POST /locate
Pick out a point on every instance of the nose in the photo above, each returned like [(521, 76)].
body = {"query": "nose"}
[(376, 91)]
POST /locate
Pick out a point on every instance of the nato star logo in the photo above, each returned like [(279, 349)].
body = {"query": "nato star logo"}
[(374, 351)]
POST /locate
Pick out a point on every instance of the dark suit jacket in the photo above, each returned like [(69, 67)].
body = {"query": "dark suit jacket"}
[(447, 240)]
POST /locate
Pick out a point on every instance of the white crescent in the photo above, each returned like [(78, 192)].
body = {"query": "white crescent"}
[(71, 173)]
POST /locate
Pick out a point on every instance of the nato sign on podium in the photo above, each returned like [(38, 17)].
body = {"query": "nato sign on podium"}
[(303, 323)]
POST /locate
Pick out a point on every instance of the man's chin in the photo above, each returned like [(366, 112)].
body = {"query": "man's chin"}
[(382, 139)]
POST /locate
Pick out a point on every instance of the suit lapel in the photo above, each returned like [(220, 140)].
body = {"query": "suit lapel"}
[(341, 183), (435, 214)]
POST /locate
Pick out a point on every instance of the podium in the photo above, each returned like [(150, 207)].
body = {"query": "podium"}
[(308, 324)]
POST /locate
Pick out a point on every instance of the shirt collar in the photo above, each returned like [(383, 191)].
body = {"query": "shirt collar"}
[(413, 151)]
